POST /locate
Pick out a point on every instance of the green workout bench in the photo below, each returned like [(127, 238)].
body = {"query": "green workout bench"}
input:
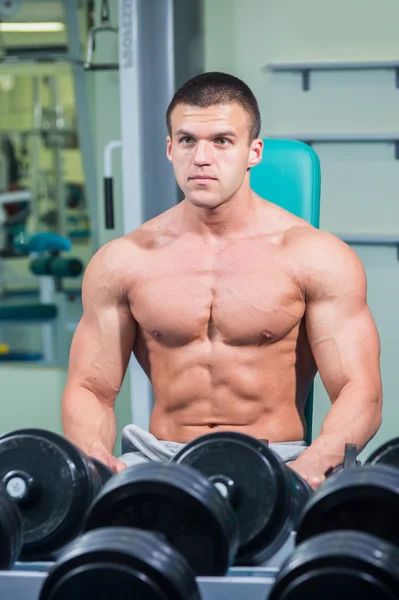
[(289, 175)]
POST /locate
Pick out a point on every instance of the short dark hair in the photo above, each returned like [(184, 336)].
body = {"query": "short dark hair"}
[(209, 89)]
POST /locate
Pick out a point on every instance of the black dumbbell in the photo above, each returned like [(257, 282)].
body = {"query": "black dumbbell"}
[(177, 502), (120, 562), (362, 499), (355, 512), (266, 495), (226, 499), (52, 482), (339, 564), (10, 531), (386, 454), (346, 540)]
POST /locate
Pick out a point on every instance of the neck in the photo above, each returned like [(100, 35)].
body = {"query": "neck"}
[(234, 217)]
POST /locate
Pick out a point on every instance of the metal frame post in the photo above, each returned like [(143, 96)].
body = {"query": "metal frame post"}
[(57, 143), (83, 116), (132, 174), (46, 296), (34, 147), (146, 64)]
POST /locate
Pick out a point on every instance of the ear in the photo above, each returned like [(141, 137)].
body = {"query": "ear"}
[(169, 148), (255, 153)]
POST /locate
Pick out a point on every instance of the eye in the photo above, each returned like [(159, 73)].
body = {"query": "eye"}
[(186, 140), (222, 141)]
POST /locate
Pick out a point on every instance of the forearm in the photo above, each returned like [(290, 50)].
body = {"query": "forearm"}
[(87, 420), (354, 418)]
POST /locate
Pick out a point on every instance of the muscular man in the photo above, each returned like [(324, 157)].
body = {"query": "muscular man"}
[(230, 304)]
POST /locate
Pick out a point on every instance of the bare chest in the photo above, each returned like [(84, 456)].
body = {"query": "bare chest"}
[(235, 298)]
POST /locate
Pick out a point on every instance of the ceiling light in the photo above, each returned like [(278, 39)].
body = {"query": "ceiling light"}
[(9, 27)]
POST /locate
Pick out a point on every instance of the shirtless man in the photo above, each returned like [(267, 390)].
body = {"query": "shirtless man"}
[(230, 304)]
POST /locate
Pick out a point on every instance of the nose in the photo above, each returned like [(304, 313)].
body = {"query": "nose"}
[(203, 154)]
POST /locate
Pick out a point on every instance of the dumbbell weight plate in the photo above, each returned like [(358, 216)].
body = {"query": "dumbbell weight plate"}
[(387, 454), (267, 494), (51, 481), (10, 531), (177, 502), (120, 562), (98, 472), (101, 471), (340, 564), (363, 499)]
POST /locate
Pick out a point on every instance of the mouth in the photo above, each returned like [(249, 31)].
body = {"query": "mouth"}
[(202, 178)]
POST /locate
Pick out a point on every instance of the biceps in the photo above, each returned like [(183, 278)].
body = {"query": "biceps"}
[(345, 345), (101, 349)]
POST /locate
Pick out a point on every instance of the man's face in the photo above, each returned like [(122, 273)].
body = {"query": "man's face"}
[(211, 152)]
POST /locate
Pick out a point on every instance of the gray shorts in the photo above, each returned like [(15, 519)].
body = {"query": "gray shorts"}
[(140, 446)]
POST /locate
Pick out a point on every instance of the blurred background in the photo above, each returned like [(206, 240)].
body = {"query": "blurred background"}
[(323, 72)]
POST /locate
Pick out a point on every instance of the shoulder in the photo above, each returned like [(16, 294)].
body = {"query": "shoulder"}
[(313, 255), (122, 252), (324, 263), (113, 255), (109, 269), (306, 239), (117, 261)]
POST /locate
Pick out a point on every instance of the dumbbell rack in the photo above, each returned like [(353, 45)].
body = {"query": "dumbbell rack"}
[(253, 583)]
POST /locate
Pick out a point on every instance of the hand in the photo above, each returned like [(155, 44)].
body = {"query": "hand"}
[(99, 452), (311, 475)]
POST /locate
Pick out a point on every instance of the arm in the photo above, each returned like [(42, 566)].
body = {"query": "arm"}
[(99, 356), (345, 345)]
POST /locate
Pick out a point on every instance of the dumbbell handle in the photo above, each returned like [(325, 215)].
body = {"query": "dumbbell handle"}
[(226, 487), (348, 462), (109, 203), (108, 183), (20, 486)]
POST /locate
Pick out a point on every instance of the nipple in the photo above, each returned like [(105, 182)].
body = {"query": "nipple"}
[(156, 333), (265, 337)]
